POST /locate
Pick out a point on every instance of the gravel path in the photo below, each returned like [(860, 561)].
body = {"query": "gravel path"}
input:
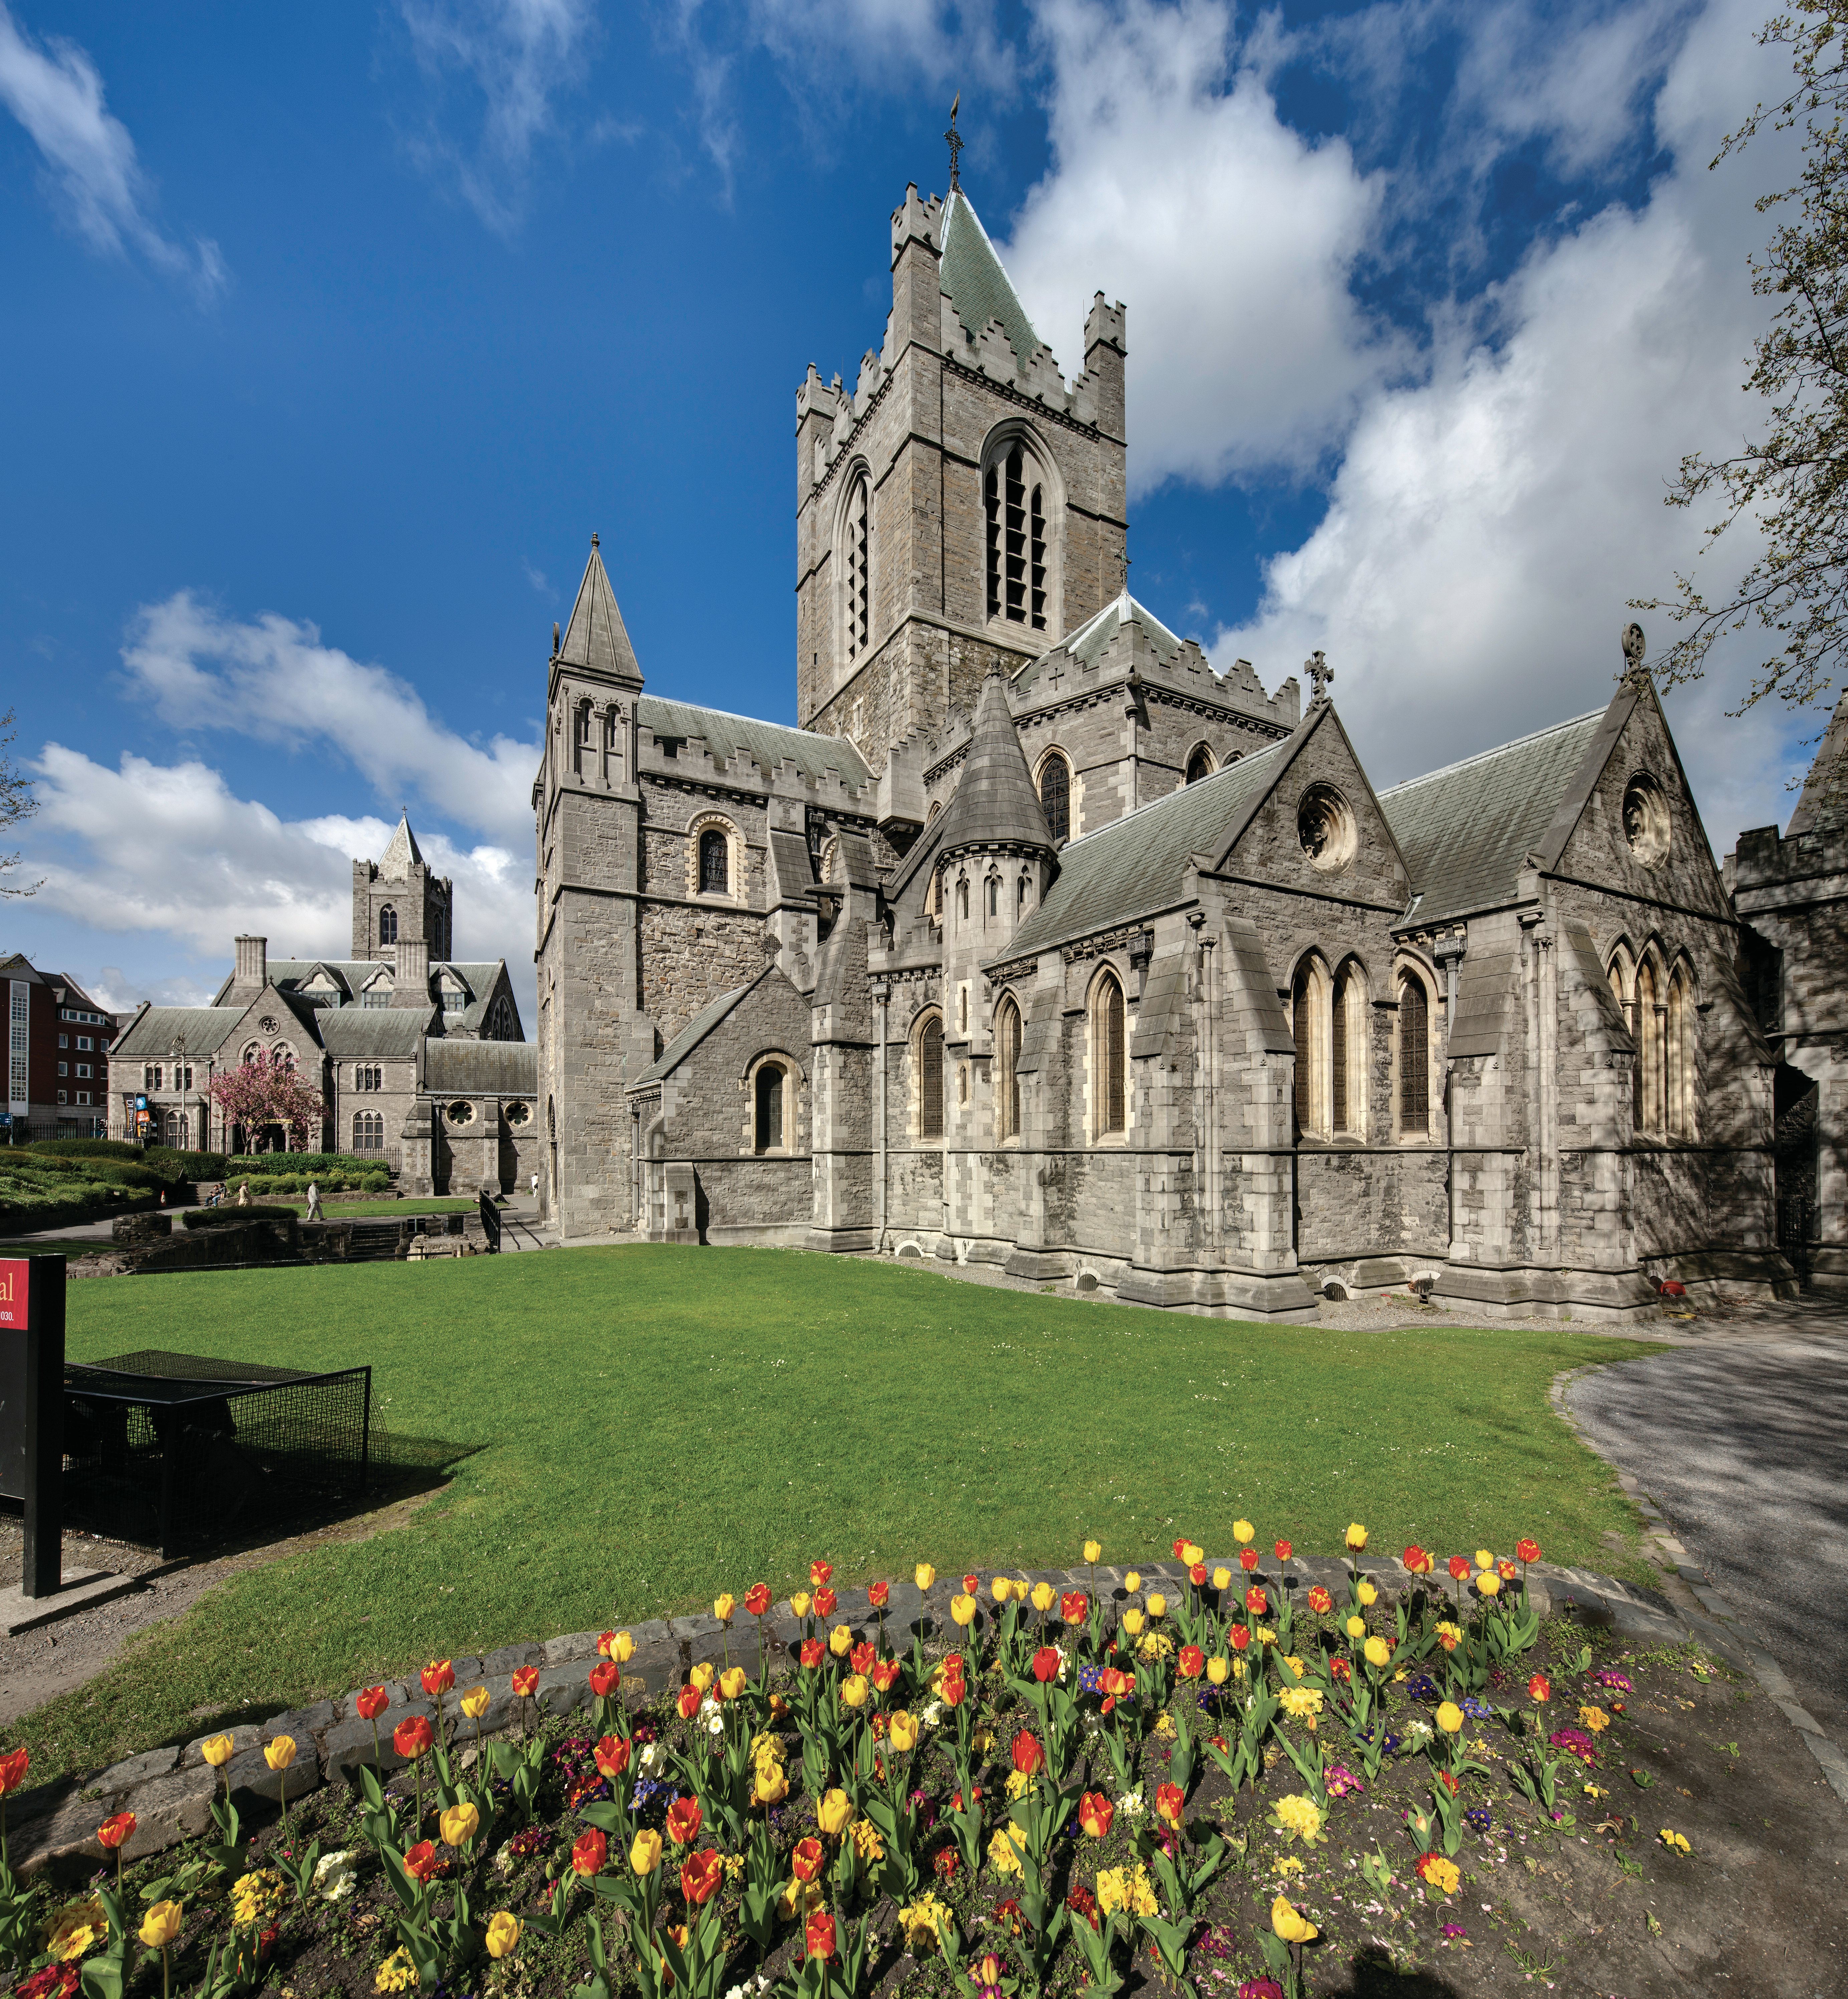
[(1744, 1445)]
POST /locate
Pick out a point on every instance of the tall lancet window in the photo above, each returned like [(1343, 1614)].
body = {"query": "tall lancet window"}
[(1015, 498), (859, 553)]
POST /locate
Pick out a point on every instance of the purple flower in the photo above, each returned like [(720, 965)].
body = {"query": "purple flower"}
[(1260, 1988), (1341, 1781), (1608, 1676), (1456, 1930)]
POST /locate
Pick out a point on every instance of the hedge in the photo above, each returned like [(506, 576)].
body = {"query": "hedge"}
[(240, 1163), (223, 1217)]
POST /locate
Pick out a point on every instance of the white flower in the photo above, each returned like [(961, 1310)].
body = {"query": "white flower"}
[(1132, 1801), (931, 1715), (649, 1754), (335, 1876), (716, 1726)]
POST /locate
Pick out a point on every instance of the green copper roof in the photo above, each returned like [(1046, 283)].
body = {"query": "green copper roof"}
[(767, 743), (978, 287), (1465, 831)]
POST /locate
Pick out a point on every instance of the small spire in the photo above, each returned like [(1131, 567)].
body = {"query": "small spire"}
[(593, 538), (955, 139)]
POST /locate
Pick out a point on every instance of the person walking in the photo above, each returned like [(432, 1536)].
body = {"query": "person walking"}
[(314, 1202), (534, 1186)]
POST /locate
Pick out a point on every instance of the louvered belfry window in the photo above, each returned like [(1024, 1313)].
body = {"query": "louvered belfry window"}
[(1016, 542), (859, 589)]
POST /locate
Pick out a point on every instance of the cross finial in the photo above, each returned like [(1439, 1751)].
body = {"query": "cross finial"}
[(955, 139), (1320, 673)]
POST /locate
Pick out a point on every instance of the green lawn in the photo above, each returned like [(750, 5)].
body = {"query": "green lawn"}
[(348, 1211), (649, 1426)]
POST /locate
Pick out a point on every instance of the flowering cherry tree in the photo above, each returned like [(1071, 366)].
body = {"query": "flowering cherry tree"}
[(265, 1091)]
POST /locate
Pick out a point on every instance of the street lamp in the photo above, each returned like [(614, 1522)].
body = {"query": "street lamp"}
[(179, 1082)]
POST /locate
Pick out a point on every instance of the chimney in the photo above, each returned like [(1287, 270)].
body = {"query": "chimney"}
[(253, 964), (413, 985)]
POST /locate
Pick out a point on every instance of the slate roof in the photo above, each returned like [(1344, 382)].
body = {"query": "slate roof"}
[(1821, 803), (977, 286), (692, 1034), (350, 974), (401, 854), (1134, 866), (481, 1069), (596, 637), (1084, 646), (1466, 831), (372, 1033), (767, 743), (153, 1033), (994, 804)]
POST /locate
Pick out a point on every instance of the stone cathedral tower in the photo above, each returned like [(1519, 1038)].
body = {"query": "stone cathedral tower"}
[(397, 901), (961, 508)]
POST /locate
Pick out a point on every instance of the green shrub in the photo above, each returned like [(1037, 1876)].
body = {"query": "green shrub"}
[(187, 1166), (122, 1172), (297, 1163), (376, 1182), (223, 1217), (86, 1149)]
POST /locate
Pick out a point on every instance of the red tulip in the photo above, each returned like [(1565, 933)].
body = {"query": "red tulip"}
[(1339, 1668), (1169, 1801), (861, 1658), (1247, 1559), (1178, 1546), (1459, 1568), (688, 1701), (372, 1702), (971, 1585), (955, 1689), (806, 1863), (825, 1602), (1095, 1812), (605, 1679), (1283, 1551), (1045, 1664), (12, 1771), (414, 1737), (684, 1822), (1256, 1602), (1320, 1601), (1197, 1575), (114, 1831), (757, 1599), (1074, 1606), (526, 1681), (879, 1595), (1529, 1551), (605, 1640), (820, 1574), (612, 1756), (1241, 1637), (419, 1862), (1193, 1662), (438, 1677), (589, 1851), (814, 1651), (1538, 1688), (1029, 1756), (818, 1933), (884, 1674), (1417, 1561), (701, 1876)]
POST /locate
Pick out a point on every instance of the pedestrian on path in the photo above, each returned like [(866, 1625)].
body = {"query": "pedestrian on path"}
[(314, 1202), (535, 1187)]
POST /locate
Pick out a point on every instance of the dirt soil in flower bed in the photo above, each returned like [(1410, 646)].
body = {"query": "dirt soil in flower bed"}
[(1587, 1900)]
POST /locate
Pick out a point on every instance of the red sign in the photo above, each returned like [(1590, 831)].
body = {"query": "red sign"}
[(15, 1284)]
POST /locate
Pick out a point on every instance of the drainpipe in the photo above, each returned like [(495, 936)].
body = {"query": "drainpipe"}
[(882, 997), (1448, 950)]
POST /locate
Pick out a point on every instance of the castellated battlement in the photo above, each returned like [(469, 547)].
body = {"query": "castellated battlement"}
[(691, 759)]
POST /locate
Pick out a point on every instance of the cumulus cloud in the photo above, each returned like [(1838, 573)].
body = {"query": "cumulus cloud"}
[(172, 849), (512, 59), (90, 167), (1176, 187), (272, 679), (1488, 523)]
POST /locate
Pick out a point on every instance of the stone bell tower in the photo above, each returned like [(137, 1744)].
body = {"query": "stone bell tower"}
[(397, 900)]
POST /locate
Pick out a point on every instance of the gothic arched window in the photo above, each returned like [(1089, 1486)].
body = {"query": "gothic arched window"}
[(1678, 1049), (1055, 795), (1199, 764), (1107, 1081), (1310, 1022), (715, 862), (1015, 498), (1651, 1051), (388, 925), (857, 536), (1347, 1053), (1007, 1071), (929, 1046), (771, 1080), (1414, 1058)]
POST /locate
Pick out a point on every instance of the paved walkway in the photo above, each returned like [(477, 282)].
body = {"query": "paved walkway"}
[(1743, 1442)]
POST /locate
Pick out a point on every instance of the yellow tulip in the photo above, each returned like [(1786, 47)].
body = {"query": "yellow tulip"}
[(1043, 1596), (162, 1924), (723, 1606), (840, 1640), (1449, 1717), (1222, 1578), (924, 1575), (1484, 1557), (854, 1689), (1291, 1924), (772, 1786), (1093, 1551), (1356, 1538), (1191, 1552), (1365, 1593), (1002, 1587), (1133, 1621), (1158, 1605), (962, 1609), (731, 1682), (280, 1753), (645, 1855), (503, 1933), (701, 1676), (622, 1648), (903, 1732), (474, 1704), (1488, 1583), (833, 1814), (1132, 1581), (1357, 1627), (1242, 1531), (459, 1824), (1378, 1651), (1217, 1667), (216, 1750), (799, 1603)]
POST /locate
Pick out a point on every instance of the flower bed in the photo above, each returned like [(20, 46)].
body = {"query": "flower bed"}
[(1241, 1781)]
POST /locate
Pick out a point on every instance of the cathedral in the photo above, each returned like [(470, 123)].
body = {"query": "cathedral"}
[(1041, 942)]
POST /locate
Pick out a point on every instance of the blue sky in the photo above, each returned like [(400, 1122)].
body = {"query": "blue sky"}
[(331, 334)]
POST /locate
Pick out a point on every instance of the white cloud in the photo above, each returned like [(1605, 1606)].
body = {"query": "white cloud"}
[(1487, 525), (272, 679), (1176, 188), (517, 57), (172, 851), (56, 93)]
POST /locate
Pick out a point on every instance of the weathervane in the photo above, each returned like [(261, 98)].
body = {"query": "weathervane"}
[(1320, 674), (956, 145)]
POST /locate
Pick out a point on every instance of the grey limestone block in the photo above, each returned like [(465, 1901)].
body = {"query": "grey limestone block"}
[(348, 1747), (500, 1714), (249, 1772), (653, 1670), (304, 1724), (500, 1665), (245, 1735), (137, 1770), (174, 1806), (573, 1645), (562, 1690)]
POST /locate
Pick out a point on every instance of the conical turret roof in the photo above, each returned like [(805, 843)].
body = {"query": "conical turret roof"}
[(401, 854), (595, 637), (994, 804)]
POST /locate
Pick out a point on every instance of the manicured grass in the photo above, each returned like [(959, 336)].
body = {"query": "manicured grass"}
[(650, 1425), (348, 1210)]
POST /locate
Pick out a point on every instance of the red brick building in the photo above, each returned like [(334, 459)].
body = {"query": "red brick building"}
[(56, 1050)]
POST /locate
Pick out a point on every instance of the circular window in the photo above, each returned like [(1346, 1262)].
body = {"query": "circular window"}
[(1645, 819), (461, 1112), (267, 1024), (1325, 826), (519, 1114)]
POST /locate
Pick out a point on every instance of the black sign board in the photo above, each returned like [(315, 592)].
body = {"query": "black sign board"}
[(32, 1409)]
